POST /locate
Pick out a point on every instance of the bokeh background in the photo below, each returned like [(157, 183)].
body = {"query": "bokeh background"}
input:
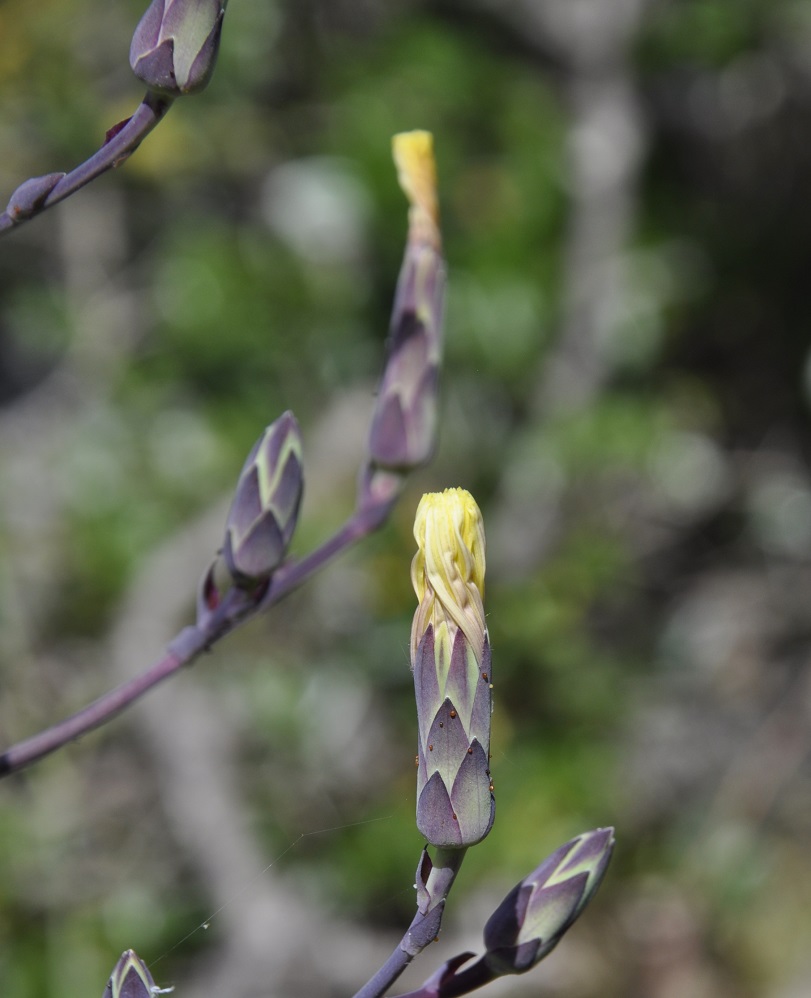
[(626, 192)]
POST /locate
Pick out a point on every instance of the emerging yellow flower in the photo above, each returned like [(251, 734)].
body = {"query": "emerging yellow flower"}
[(450, 655), (416, 170), (404, 426), (448, 569)]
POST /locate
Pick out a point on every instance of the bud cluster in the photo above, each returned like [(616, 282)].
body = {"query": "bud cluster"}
[(131, 979), (263, 515)]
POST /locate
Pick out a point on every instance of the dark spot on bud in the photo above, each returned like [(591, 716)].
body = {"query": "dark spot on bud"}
[(485, 677), (470, 751), (416, 760), (453, 713), (455, 818), (442, 724), (430, 748)]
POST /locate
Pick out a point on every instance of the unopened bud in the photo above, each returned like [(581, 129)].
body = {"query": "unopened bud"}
[(450, 655), (534, 916), (131, 979), (264, 511), (403, 433), (174, 48)]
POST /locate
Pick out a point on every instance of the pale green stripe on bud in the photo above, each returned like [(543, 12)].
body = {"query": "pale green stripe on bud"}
[(131, 979), (534, 916), (175, 46)]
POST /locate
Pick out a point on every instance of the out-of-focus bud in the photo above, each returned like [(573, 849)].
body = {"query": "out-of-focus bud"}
[(30, 195), (450, 655), (131, 979), (264, 512), (403, 432), (532, 919), (174, 48)]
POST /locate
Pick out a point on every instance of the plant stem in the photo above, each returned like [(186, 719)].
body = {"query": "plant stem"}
[(424, 928), (188, 645), (101, 710), (111, 154)]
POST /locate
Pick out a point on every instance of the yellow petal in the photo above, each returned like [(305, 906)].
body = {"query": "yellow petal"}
[(416, 172), (448, 568)]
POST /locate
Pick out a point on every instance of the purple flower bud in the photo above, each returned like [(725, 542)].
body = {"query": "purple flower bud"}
[(30, 195), (174, 48), (403, 432), (264, 512), (534, 916), (450, 654), (130, 978)]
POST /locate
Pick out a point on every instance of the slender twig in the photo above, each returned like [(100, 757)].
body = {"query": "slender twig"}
[(95, 714), (188, 645), (30, 200)]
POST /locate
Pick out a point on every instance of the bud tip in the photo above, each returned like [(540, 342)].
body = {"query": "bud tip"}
[(416, 171)]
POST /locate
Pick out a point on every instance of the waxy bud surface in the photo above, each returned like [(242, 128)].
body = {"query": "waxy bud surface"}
[(174, 48), (534, 916), (450, 655)]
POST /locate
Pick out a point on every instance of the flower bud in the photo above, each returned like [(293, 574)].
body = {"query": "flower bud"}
[(264, 512), (532, 919), (130, 978), (403, 432), (450, 655), (174, 48), (30, 196)]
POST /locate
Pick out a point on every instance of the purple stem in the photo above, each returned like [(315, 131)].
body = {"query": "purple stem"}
[(189, 643), (424, 927), (452, 985), (111, 154), (101, 710)]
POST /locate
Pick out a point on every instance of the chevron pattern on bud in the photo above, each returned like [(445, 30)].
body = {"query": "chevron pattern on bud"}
[(175, 46), (450, 654), (130, 978), (264, 511)]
